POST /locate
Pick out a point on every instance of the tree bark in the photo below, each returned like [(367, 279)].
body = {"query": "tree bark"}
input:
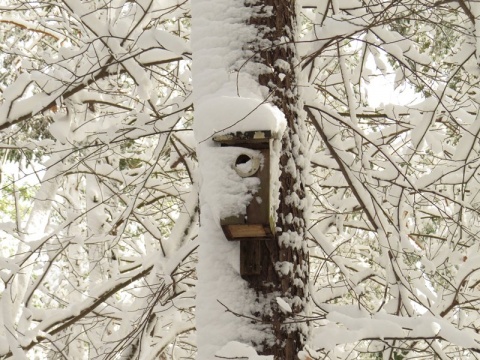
[(276, 22)]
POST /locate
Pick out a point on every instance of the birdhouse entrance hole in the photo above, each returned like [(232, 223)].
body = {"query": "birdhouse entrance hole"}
[(242, 159), (246, 165)]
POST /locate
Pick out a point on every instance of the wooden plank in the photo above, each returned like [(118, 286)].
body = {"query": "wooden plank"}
[(243, 231), (250, 257), (259, 212), (248, 139)]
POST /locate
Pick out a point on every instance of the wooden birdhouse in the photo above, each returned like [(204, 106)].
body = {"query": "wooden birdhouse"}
[(257, 224)]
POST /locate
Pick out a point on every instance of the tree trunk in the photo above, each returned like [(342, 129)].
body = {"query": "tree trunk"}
[(231, 97), (285, 259)]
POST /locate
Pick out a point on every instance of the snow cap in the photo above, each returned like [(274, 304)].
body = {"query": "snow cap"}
[(228, 114)]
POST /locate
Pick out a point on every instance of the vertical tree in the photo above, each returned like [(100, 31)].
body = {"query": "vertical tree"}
[(255, 83), (275, 49)]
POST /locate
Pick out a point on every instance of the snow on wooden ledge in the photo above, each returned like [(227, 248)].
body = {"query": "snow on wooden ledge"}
[(228, 114)]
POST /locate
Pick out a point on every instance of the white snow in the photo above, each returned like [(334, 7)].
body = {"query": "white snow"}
[(226, 114), (237, 350), (153, 38), (283, 305), (4, 345)]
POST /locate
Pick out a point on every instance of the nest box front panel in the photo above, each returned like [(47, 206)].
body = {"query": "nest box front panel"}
[(255, 224)]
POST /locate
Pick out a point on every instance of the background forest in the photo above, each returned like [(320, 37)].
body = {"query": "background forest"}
[(99, 179)]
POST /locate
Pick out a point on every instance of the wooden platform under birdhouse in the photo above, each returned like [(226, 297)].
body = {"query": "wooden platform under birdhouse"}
[(247, 231)]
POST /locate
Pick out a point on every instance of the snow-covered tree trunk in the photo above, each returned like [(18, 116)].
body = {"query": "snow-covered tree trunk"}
[(244, 79), (287, 259)]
